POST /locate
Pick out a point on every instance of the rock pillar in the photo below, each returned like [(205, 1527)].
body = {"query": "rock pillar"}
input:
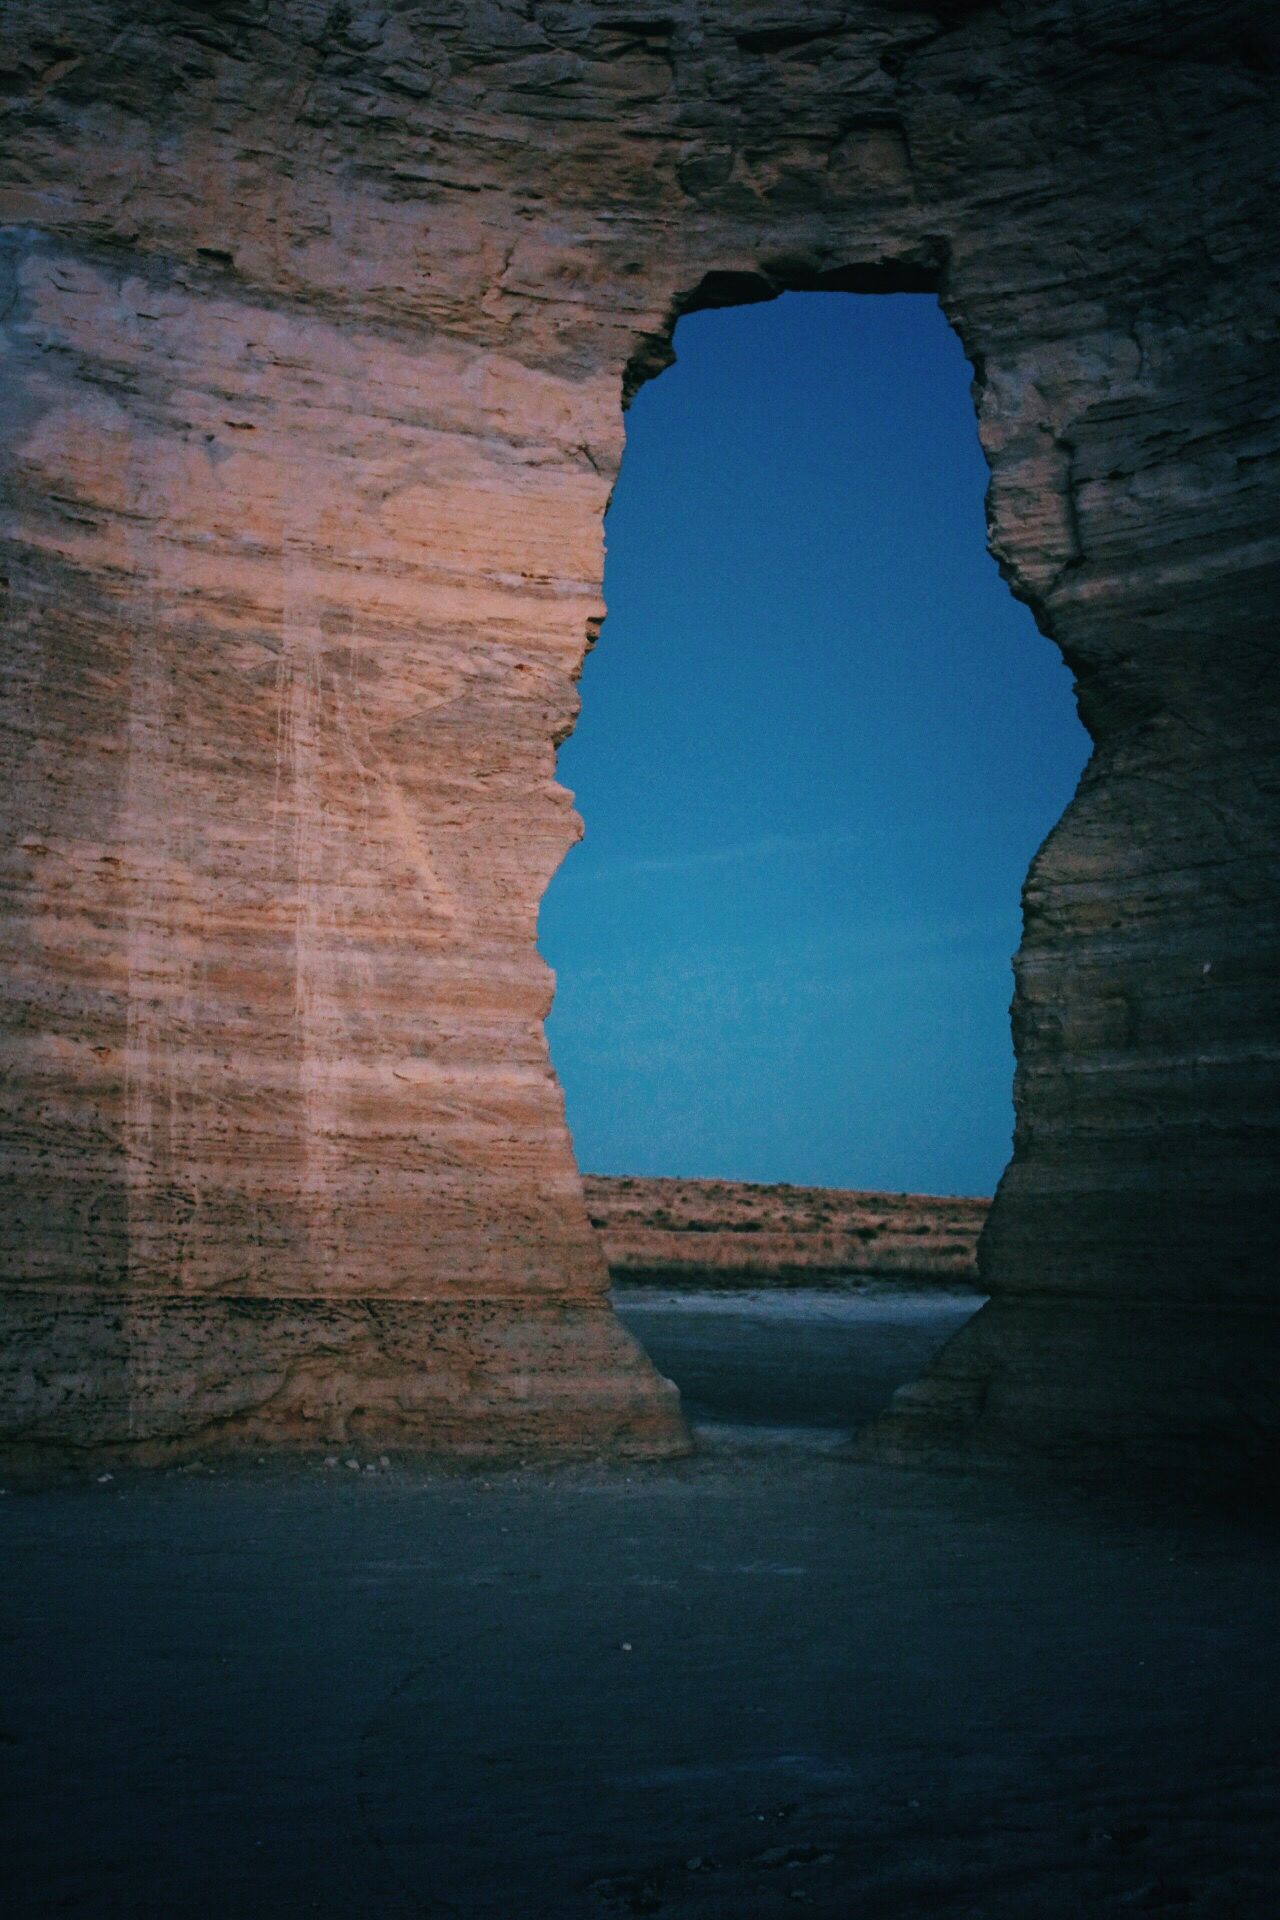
[(316, 322)]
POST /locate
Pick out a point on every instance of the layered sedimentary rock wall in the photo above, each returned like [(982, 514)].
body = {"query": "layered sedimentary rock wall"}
[(317, 321), (734, 1233)]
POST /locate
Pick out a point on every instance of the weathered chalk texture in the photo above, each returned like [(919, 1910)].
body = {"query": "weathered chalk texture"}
[(316, 322)]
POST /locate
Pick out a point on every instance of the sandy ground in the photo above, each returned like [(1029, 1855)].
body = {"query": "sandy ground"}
[(762, 1682)]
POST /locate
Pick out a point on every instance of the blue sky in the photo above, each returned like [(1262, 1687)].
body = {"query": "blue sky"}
[(819, 744)]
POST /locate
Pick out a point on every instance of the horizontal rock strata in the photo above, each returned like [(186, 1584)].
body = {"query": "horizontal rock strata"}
[(158, 1377), (727, 1233), (1049, 1385), (316, 324)]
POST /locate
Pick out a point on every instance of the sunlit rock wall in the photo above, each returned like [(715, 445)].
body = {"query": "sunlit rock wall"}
[(316, 321)]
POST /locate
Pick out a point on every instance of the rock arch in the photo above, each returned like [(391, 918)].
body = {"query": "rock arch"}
[(316, 325)]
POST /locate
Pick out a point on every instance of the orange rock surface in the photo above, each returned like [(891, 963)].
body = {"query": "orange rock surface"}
[(317, 322)]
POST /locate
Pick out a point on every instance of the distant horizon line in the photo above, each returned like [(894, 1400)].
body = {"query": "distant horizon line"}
[(791, 1186)]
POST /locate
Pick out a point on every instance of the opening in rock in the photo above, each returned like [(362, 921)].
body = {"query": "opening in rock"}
[(820, 742)]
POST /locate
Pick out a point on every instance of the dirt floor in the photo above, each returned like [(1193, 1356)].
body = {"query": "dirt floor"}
[(761, 1682), (802, 1361)]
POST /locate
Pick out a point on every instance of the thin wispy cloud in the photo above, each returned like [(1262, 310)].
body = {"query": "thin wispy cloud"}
[(820, 743), (802, 964), (769, 846)]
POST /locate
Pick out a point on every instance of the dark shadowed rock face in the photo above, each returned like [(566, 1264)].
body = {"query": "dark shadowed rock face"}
[(316, 324)]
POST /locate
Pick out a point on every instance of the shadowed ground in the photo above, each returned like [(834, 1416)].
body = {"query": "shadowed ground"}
[(812, 1359), (760, 1682)]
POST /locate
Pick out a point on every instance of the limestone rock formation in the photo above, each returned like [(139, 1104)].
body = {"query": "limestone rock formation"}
[(317, 320), (734, 1233)]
